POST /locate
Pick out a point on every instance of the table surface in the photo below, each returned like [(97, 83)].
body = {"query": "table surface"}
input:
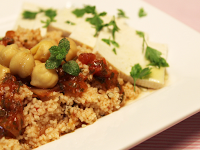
[(186, 134)]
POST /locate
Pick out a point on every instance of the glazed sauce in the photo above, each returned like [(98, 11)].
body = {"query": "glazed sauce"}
[(100, 71), (71, 85), (11, 110), (8, 39), (76, 85)]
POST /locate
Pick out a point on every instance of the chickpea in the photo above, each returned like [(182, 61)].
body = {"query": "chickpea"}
[(43, 78), (22, 63), (37, 62), (7, 53), (41, 50), (1, 47), (3, 71), (22, 48), (73, 50)]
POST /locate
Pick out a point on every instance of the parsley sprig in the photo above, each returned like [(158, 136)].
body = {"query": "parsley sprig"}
[(50, 13), (95, 20), (113, 42), (58, 54), (153, 55), (142, 13), (138, 73), (69, 22), (98, 23), (114, 29), (142, 35), (121, 14), (29, 14), (86, 9)]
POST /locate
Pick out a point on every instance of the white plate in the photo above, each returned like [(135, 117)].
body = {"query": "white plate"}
[(152, 114)]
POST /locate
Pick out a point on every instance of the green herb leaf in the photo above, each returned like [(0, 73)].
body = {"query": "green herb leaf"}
[(144, 72), (64, 44), (47, 22), (142, 35), (29, 15), (71, 67), (137, 72), (56, 57), (107, 41), (114, 50), (69, 22), (50, 13), (58, 54), (52, 63), (97, 22), (114, 43), (90, 9), (121, 14), (82, 11), (115, 27), (142, 13), (103, 14), (154, 56), (79, 12)]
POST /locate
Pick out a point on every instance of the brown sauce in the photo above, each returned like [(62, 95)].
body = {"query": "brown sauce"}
[(8, 39), (11, 110)]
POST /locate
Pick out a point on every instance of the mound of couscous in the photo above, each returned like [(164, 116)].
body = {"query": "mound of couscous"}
[(31, 116)]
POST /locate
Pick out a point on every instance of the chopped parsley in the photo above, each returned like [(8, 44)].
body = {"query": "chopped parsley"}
[(113, 42), (109, 42), (50, 13), (114, 50), (58, 54), (79, 12), (69, 22), (153, 55), (97, 22), (138, 73), (115, 27), (142, 13), (29, 14), (142, 35), (121, 14), (82, 11)]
